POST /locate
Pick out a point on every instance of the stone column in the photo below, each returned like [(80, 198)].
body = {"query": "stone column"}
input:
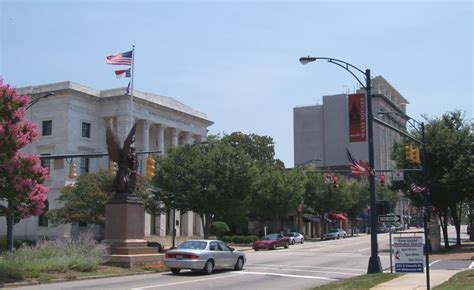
[(198, 229), (174, 137), (189, 138), (161, 139), (123, 126), (188, 223)]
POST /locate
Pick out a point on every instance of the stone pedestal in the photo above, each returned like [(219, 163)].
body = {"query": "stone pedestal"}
[(124, 231)]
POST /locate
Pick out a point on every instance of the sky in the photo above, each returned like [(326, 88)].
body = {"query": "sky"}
[(237, 61)]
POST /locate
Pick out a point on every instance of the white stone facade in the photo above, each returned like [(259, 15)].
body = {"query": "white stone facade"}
[(79, 117)]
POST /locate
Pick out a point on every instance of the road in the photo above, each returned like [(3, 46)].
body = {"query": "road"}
[(299, 267)]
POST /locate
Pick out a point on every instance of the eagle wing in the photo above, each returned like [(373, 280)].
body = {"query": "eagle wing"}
[(128, 141), (113, 144)]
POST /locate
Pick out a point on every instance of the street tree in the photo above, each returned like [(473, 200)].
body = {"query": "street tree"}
[(209, 179), (275, 193), (449, 149), (85, 200), (22, 193)]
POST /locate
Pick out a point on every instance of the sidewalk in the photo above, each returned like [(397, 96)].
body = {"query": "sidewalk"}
[(437, 276)]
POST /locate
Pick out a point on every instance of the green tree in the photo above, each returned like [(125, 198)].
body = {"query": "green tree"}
[(275, 193), (208, 179), (85, 200), (323, 198), (358, 192), (449, 150)]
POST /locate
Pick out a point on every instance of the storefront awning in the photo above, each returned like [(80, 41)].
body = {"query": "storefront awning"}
[(311, 218), (339, 216)]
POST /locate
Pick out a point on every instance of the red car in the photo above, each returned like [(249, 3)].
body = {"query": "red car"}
[(271, 242)]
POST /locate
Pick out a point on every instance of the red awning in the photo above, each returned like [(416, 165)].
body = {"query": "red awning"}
[(339, 216)]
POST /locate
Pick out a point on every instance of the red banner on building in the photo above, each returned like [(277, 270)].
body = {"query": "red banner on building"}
[(357, 118)]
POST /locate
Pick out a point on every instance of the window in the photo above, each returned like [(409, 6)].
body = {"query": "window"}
[(84, 165), (47, 128), (86, 130), (42, 218), (46, 162)]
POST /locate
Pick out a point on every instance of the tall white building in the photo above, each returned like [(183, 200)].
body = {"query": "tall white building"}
[(74, 121)]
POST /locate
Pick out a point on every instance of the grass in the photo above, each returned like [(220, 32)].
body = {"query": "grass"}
[(462, 280), (359, 282)]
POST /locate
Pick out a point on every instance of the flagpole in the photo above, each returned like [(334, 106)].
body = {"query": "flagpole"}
[(132, 74)]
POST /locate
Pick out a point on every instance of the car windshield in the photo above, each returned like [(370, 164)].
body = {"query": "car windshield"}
[(290, 235), (270, 237), (333, 231), (193, 245)]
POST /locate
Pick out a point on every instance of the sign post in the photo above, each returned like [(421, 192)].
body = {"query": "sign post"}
[(408, 253)]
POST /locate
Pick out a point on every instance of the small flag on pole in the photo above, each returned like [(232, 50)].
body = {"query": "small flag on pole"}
[(417, 189), (120, 58), (357, 167), (122, 72)]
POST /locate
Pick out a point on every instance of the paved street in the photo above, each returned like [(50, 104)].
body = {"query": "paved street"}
[(299, 267)]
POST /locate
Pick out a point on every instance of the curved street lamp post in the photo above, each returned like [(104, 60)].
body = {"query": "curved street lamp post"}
[(37, 100), (374, 260)]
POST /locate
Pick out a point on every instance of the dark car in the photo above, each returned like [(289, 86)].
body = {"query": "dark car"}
[(271, 242)]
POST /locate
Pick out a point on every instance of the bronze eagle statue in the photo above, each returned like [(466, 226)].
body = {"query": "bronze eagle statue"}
[(126, 159)]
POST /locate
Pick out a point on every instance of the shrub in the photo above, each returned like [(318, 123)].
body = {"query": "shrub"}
[(219, 229), (80, 254), (227, 239), (240, 239)]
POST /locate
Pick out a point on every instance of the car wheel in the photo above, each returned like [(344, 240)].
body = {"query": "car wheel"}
[(175, 271), (286, 245), (274, 246), (209, 267), (256, 250), (344, 236), (239, 265), (302, 240), (338, 237), (293, 242)]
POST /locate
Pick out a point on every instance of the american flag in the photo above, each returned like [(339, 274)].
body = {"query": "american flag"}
[(121, 58), (357, 167), (417, 189)]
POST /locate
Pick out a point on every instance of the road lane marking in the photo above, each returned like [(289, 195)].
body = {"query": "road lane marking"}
[(189, 281), (311, 267), (434, 262), (290, 276), (302, 270), (363, 249)]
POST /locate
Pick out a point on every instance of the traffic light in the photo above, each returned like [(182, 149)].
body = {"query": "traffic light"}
[(408, 153), (112, 167), (415, 153), (150, 166)]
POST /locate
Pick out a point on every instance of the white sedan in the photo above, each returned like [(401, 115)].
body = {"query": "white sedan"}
[(335, 234), (295, 237), (204, 256)]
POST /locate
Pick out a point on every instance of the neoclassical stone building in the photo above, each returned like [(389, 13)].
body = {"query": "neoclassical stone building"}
[(74, 121)]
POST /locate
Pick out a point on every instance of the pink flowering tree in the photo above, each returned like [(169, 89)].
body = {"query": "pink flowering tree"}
[(22, 193)]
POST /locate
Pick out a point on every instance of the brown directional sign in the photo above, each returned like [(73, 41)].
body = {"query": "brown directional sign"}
[(389, 218)]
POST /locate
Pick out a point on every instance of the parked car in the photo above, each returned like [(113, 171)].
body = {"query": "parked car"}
[(271, 241), (295, 237), (335, 234), (204, 256)]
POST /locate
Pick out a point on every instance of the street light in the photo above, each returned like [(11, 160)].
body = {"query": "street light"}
[(37, 100), (426, 195), (374, 260)]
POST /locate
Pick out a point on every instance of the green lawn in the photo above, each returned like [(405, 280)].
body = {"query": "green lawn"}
[(359, 282), (462, 280)]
